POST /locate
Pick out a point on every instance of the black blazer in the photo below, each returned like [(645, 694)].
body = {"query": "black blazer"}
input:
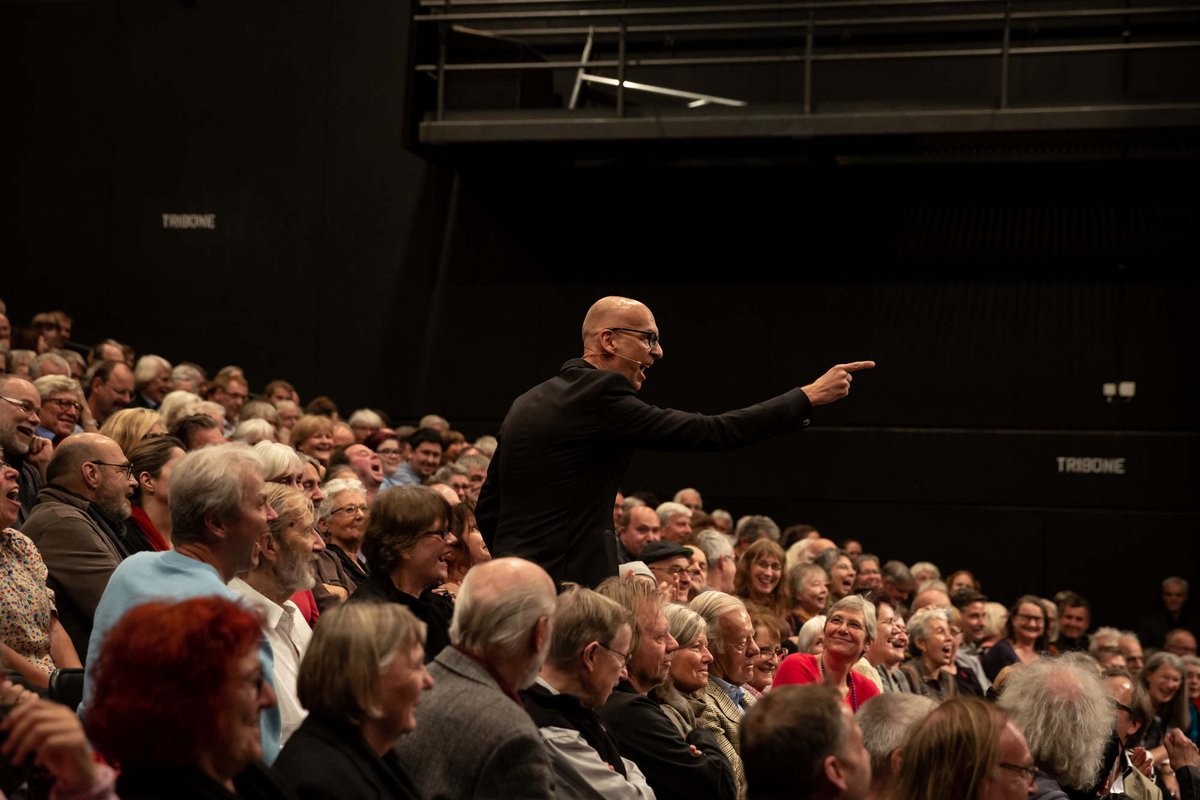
[(564, 447), (329, 759), (435, 610)]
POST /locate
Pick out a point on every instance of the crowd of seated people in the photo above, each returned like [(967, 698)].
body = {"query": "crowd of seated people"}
[(273, 602)]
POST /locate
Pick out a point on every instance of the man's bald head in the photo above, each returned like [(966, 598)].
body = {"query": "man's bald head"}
[(75, 451), (620, 335), (608, 312), (503, 616)]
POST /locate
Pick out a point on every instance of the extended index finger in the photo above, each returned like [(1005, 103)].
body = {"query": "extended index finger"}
[(855, 366)]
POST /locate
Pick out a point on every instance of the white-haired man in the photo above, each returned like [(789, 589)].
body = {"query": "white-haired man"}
[(219, 512), (151, 381), (473, 737), (676, 521)]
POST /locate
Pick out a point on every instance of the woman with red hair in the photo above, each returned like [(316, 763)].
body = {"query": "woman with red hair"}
[(179, 691)]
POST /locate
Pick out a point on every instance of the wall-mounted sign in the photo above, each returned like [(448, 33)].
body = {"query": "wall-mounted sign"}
[(1083, 465), (189, 221)]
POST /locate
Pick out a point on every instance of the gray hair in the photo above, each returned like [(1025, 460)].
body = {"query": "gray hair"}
[(209, 483), (147, 369), (684, 623), (335, 487), (856, 602), (174, 406), (35, 369), (808, 632), (684, 491), (254, 432), (919, 621), (471, 460), (1178, 581), (487, 445), (712, 606), (720, 513), (754, 527), (714, 544), (186, 373), (279, 460), (503, 623), (898, 573), (52, 384), (446, 471), (1103, 637), (367, 417), (886, 720), (669, 509), (1061, 706), (926, 566), (1175, 711)]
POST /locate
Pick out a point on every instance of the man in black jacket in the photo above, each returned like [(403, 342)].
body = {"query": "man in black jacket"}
[(565, 444), (676, 768)]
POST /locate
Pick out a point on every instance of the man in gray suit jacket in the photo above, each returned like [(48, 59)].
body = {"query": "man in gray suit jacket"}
[(473, 737)]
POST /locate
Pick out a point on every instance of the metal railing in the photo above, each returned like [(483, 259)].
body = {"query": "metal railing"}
[(790, 33)]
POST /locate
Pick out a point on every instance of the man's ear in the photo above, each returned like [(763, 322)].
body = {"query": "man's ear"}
[(268, 548), (834, 773), (541, 632), (897, 760), (217, 527), (588, 655)]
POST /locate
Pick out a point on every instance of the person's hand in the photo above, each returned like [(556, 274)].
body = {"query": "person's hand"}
[(696, 751), (53, 735), (834, 384), (1141, 760), (11, 694), (40, 451), (1181, 751)]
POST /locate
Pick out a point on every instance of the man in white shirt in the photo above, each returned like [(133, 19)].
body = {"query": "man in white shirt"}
[(285, 566)]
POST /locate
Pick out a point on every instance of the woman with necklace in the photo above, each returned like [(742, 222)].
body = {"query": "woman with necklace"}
[(849, 630)]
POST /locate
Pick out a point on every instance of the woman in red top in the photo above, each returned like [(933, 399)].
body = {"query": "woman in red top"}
[(849, 630), (151, 461)]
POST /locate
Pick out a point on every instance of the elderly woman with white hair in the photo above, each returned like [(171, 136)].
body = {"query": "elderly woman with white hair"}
[(343, 520), (932, 646), (681, 696), (849, 631)]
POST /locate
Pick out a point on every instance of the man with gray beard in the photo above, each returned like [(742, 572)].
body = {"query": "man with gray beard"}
[(286, 563), (78, 526), (473, 737)]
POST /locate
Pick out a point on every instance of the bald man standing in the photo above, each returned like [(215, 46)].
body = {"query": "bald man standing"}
[(566, 443)]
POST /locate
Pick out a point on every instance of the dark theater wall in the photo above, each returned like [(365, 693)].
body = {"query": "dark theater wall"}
[(997, 298)]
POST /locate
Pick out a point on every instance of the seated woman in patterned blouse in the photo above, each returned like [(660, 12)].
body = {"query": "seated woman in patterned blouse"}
[(32, 641)]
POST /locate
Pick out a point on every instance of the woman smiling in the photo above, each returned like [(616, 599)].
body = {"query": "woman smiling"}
[(849, 630), (1025, 637), (759, 578), (407, 543)]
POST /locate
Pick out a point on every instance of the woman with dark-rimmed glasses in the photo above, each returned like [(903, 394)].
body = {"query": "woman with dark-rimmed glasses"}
[(407, 542)]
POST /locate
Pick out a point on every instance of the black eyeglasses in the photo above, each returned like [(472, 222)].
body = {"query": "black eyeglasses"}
[(1029, 772), (126, 468), (651, 336), (445, 535), (625, 658)]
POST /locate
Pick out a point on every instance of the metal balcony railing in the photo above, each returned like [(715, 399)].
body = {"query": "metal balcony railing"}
[(799, 67)]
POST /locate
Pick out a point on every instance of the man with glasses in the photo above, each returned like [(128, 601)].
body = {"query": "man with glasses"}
[(731, 640), (589, 649), (24, 450), (670, 562), (78, 525), (565, 444), (676, 766)]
